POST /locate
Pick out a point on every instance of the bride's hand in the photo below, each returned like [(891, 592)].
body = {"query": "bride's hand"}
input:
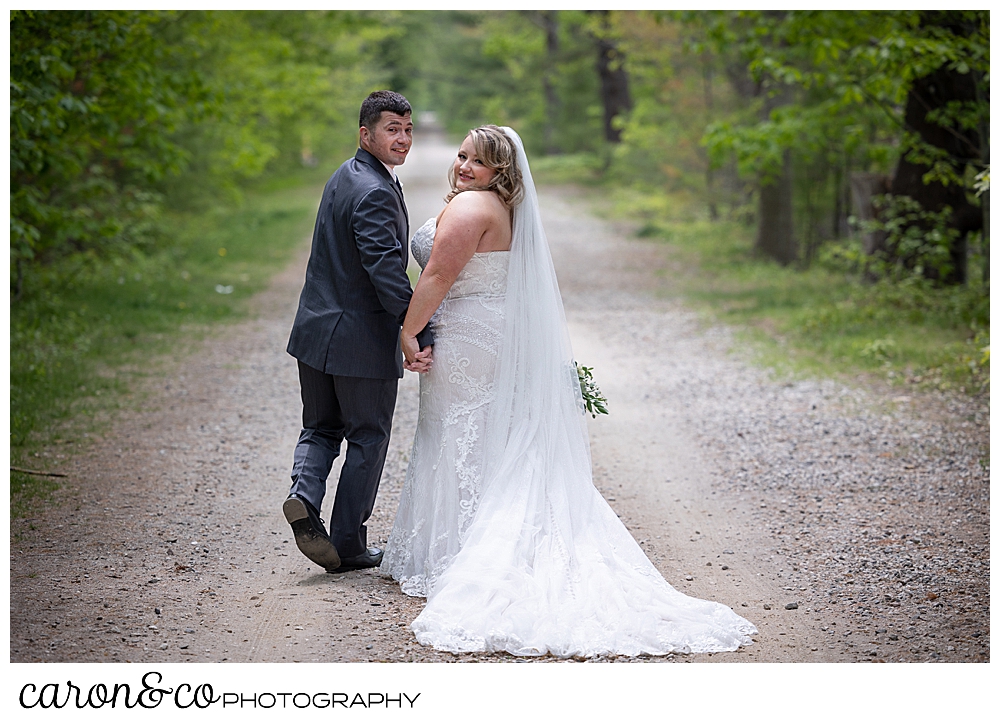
[(424, 361)]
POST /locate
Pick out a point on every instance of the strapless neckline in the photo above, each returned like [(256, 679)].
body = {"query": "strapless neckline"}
[(432, 222)]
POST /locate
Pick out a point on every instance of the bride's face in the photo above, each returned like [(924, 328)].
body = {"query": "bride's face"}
[(470, 172)]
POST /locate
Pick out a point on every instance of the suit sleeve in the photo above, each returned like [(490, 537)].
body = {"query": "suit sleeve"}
[(374, 219), (426, 337)]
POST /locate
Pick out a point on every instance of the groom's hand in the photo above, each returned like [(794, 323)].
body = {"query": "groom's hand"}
[(415, 359), (410, 347)]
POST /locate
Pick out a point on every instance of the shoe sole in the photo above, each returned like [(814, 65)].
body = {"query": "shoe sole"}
[(316, 547)]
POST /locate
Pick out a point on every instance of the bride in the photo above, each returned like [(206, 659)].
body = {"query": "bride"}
[(499, 525)]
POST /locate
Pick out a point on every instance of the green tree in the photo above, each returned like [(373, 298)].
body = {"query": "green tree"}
[(94, 99), (285, 88), (855, 78), (116, 113)]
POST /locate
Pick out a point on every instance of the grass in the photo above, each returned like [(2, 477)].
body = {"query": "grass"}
[(86, 329), (818, 321)]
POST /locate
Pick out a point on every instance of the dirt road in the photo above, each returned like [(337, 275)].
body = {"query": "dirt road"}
[(849, 523)]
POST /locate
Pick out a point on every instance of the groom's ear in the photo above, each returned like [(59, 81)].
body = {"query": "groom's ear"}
[(366, 135)]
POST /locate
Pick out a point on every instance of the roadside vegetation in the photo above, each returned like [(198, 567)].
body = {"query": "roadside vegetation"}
[(827, 319), (91, 329)]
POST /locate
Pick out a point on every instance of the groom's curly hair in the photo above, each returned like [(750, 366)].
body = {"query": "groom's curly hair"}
[(497, 151), (379, 102)]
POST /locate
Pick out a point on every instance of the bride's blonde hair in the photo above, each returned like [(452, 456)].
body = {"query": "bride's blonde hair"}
[(496, 150)]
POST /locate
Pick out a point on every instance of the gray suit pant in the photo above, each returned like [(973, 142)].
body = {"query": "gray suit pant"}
[(335, 408)]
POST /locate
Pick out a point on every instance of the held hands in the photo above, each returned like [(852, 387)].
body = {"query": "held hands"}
[(422, 363), (416, 359)]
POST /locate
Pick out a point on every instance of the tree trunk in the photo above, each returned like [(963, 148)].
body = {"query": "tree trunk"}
[(845, 223), (713, 210), (985, 200), (615, 95), (548, 22), (837, 210), (551, 26), (775, 227), (841, 198), (747, 89), (775, 218), (929, 93), (864, 187), (19, 288)]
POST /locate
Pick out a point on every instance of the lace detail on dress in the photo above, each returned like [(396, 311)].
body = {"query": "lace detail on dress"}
[(441, 492), (422, 241)]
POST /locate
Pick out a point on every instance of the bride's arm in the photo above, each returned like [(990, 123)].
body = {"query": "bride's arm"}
[(458, 233)]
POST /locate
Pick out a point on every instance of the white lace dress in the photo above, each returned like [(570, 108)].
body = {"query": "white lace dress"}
[(525, 565), (444, 478)]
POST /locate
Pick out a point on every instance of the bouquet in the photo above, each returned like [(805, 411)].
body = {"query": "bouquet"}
[(593, 400)]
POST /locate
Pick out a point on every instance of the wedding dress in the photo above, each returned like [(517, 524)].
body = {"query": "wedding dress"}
[(444, 479), (499, 525)]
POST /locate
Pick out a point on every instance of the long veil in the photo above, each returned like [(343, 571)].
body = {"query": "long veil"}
[(546, 566), (536, 423)]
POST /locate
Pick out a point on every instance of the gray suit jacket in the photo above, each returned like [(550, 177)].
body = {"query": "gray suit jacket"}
[(356, 291)]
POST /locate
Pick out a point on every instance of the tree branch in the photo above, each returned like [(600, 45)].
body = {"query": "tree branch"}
[(39, 474)]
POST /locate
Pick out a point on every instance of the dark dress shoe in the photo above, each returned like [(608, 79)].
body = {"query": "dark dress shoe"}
[(372, 557), (310, 535)]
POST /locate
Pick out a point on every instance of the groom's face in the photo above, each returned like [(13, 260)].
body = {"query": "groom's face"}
[(390, 139)]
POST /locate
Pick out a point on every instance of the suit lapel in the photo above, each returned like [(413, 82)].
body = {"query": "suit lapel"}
[(399, 192)]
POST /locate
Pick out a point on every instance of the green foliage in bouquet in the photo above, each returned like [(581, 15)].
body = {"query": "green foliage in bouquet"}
[(593, 400)]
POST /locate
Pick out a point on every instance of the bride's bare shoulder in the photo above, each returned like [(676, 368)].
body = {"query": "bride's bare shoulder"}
[(484, 205)]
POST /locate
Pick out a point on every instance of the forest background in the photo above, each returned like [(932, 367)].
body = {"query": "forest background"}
[(823, 175)]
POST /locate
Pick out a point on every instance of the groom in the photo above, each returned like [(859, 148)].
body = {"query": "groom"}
[(346, 339)]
